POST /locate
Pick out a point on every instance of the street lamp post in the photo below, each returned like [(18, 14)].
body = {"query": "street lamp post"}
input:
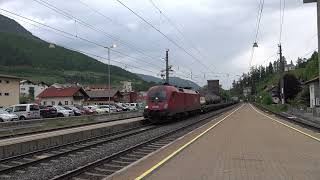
[(109, 76)]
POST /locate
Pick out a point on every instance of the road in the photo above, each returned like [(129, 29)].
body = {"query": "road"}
[(242, 144)]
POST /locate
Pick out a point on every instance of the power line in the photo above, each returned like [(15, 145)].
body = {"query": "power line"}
[(154, 44), (68, 15), (259, 19), (75, 36), (174, 26), (282, 10), (260, 12), (72, 37), (164, 35), (84, 52)]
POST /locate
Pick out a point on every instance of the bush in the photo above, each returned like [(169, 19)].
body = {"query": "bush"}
[(265, 99)]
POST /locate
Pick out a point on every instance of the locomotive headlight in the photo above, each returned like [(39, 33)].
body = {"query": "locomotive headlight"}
[(165, 106), (146, 107)]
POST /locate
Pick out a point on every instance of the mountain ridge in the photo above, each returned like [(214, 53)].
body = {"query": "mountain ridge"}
[(177, 81)]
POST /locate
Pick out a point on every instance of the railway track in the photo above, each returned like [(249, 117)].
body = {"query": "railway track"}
[(12, 164), (34, 165), (107, 166)]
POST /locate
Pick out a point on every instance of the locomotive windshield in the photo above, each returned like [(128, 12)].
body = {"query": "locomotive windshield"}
[(158, 94)]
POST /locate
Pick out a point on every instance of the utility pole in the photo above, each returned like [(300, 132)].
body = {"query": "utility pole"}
[(318, 25), (167, 66), (282, 94)]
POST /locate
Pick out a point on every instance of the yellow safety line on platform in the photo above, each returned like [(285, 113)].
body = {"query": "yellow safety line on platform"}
[(146, 173), (286, 125)]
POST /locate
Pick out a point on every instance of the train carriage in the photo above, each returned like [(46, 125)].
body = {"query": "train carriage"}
[(165, 102)]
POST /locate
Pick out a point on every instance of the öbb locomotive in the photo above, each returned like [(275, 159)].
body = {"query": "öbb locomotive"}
[(165, 102)]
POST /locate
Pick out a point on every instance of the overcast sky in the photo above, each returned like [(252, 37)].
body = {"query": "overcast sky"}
[(217, 35)]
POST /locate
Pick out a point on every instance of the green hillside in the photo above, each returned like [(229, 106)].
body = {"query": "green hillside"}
[(259, 78), (27, 56)]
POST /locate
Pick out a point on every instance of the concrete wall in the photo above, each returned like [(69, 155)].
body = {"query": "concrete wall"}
[(314, 94), (11, 86)]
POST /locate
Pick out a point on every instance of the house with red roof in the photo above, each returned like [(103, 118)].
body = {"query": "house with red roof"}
[(62, 96)]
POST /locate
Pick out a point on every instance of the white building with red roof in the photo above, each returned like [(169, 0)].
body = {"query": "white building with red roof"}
[(62, 96)]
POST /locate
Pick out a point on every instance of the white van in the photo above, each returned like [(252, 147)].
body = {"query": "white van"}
[(25, 111)]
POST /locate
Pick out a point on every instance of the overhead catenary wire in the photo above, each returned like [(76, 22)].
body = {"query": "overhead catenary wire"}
[(164, 35), (175, 26), (85, 24), (282, 11), (68, 15), (78, 37), (73, 36), (257, 30), (81, 51), (154, 43)]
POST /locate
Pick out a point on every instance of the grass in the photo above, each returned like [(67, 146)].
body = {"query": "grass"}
[(276, 107)]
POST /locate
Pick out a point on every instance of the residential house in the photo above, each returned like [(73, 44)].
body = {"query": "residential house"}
[(62, 96), (102, 96), (9, 90), (127, 86), (289, 67), (130, 97), (274, 93), (314, 91), (58, 85), (27, 87)]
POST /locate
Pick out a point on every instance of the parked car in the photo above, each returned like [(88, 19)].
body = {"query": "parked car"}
[(105, 108), (95, 109), (25, 111), (5, 116), (124, 108), (62, 112), (48, 112), (134, 106), (75, 110), (116, 108), (85, 110)]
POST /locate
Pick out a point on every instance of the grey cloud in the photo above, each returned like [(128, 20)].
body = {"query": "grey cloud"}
[(222, 30)]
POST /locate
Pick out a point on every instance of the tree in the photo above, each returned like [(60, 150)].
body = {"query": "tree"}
[(292, 86), (270, 69)]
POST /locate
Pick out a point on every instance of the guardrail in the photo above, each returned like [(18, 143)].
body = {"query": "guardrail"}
[(95, 117), (313, 124)]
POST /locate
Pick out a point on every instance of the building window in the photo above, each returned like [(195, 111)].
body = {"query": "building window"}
[(7, 82), (0, 94), (0, 81), (6, 94), (44, 103), (66, 103), (53, 103), (71, 102), (23, 89)]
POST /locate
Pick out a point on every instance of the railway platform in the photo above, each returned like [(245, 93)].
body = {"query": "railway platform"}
[(242, 144), (38, 141)]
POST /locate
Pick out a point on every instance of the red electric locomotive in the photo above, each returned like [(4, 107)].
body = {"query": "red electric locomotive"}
[(165, 102)]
